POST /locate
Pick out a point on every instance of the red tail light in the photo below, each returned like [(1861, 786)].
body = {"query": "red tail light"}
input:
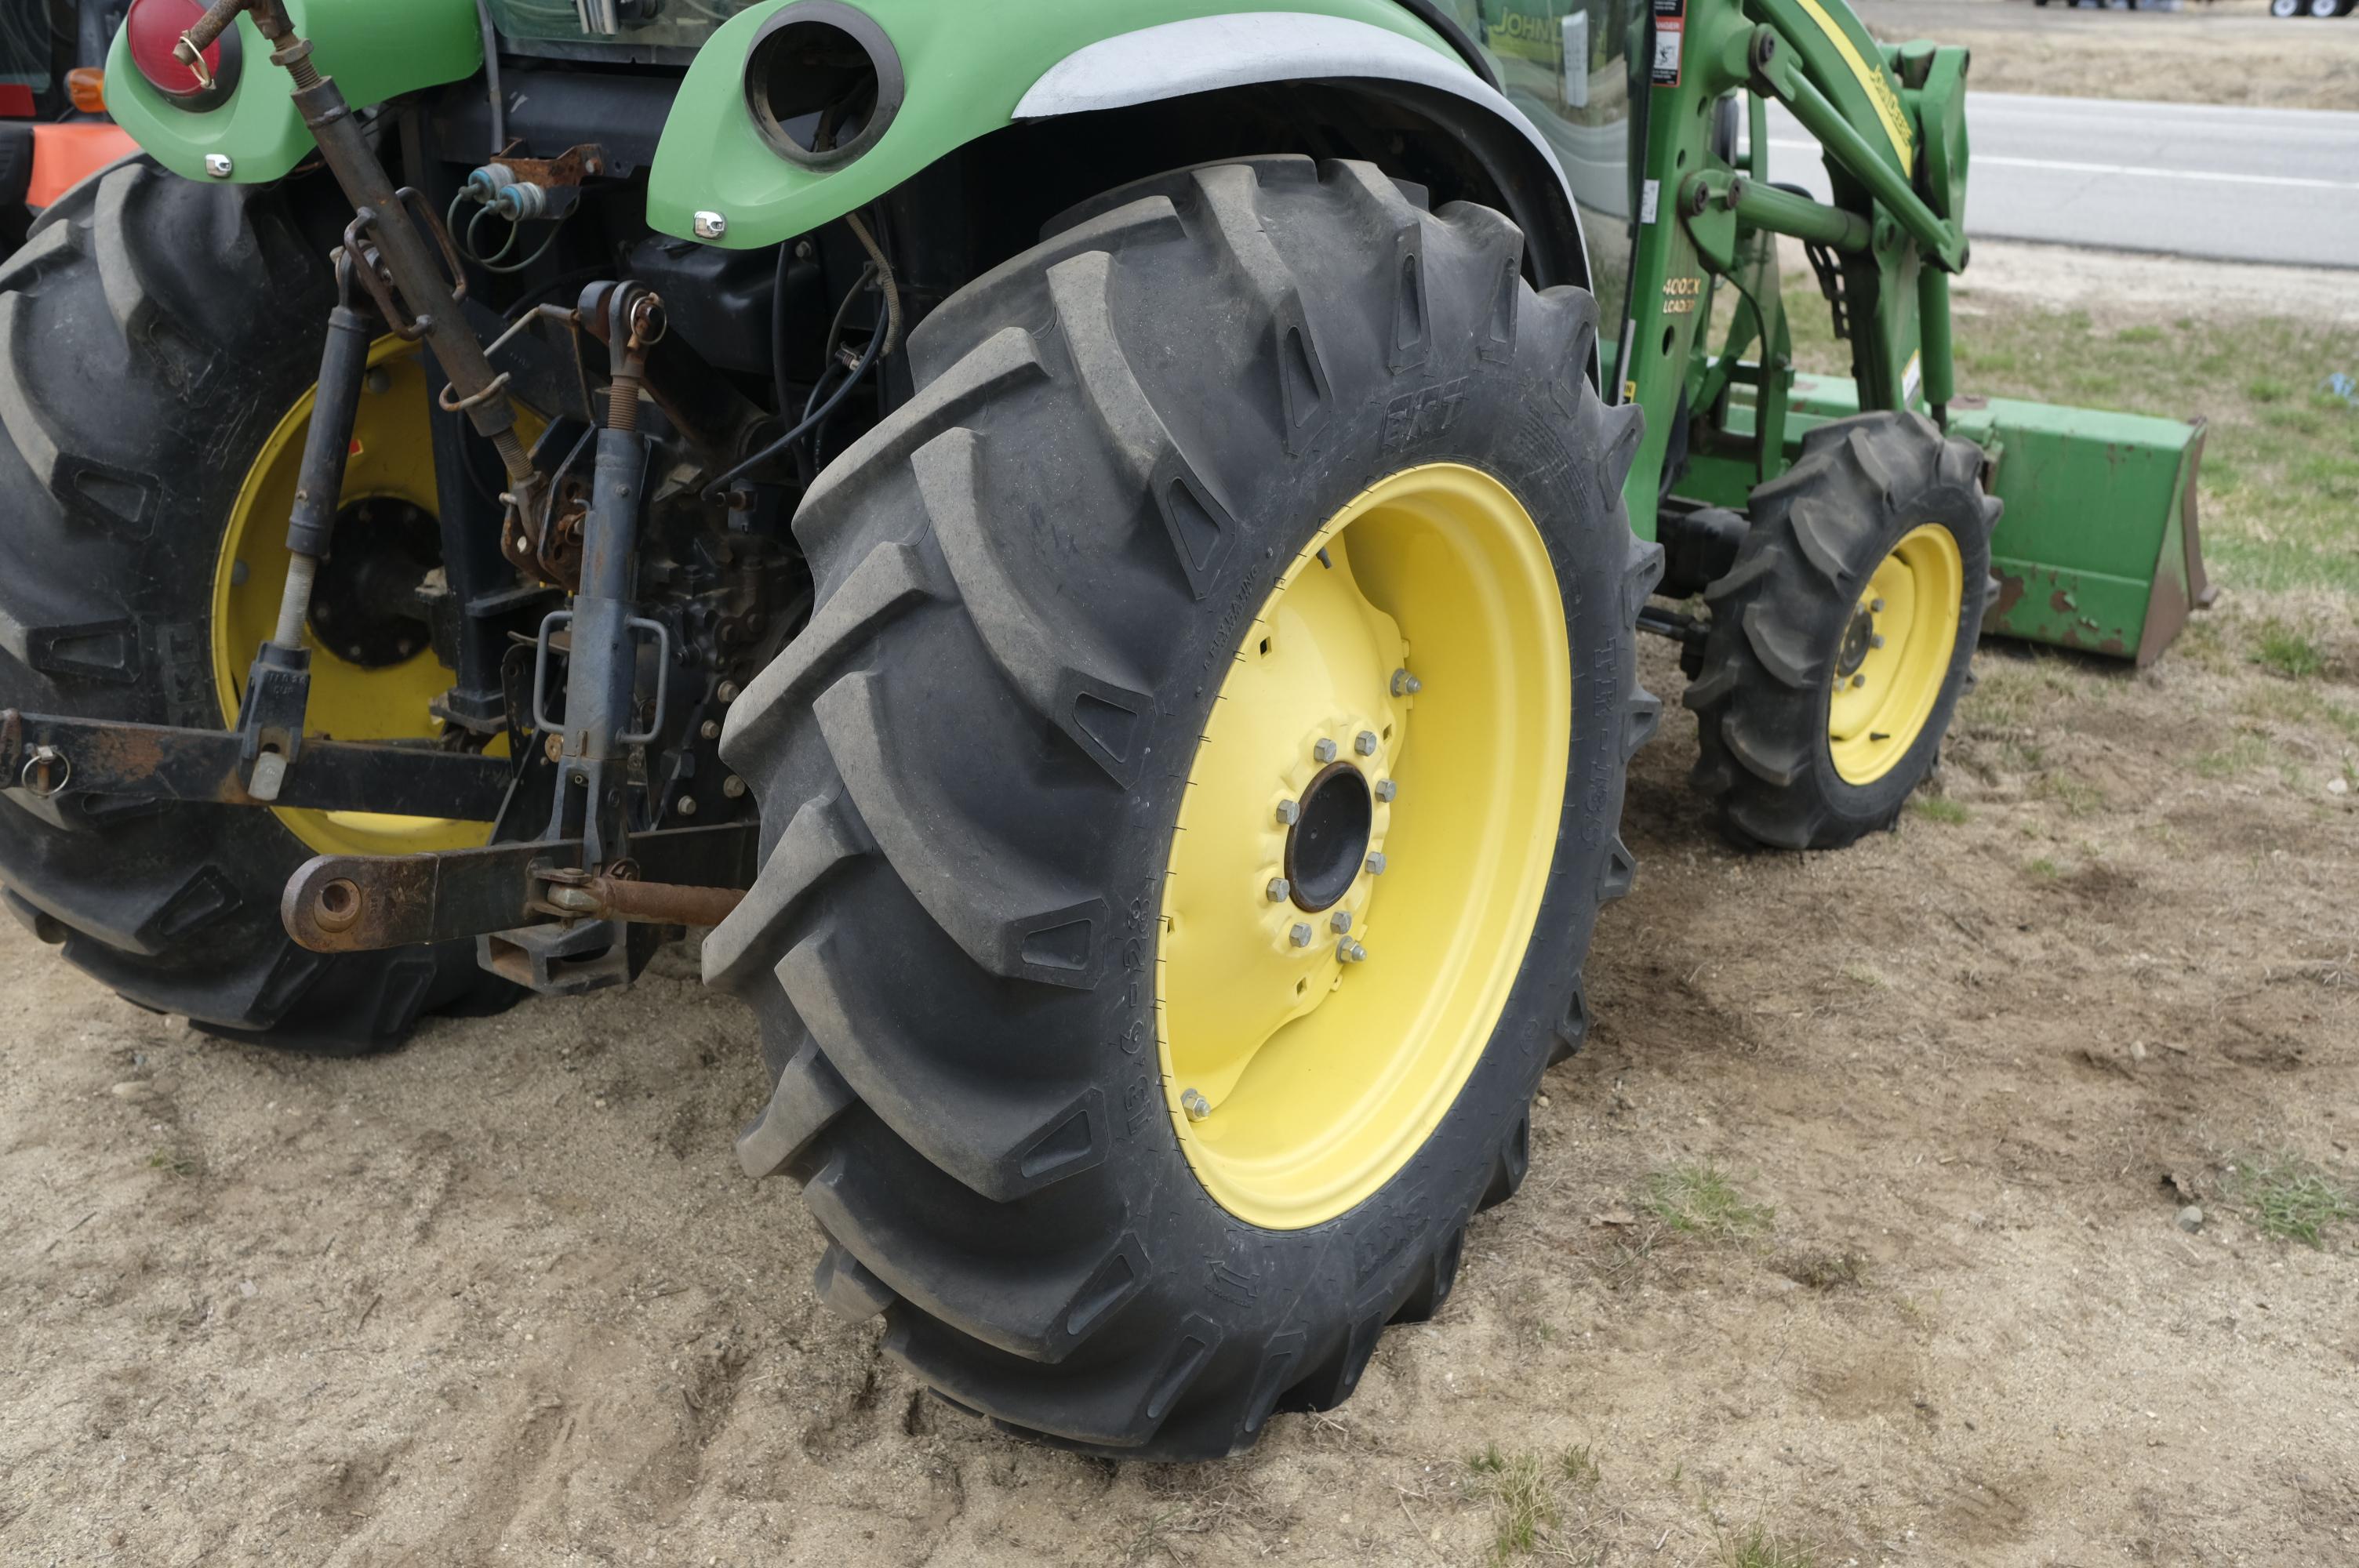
[(154, 27)]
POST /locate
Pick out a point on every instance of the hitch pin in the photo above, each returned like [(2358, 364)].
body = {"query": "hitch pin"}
[(204, 34)]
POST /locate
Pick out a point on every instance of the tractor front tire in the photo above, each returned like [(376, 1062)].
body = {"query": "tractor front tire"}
[(1074, 789), (1841, 637), (154, 331)]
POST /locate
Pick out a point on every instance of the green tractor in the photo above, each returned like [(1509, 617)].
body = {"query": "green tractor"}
[(1096, 548)]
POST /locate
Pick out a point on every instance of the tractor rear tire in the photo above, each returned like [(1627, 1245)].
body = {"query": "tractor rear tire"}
[(1033, 580), (152, 333), (1776, 658)]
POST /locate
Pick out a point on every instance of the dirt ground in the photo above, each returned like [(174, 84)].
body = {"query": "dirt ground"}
[(504, 1296), (2222, 51)]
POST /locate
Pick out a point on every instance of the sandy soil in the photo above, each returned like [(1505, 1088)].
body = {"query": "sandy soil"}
[(504, 1296), (2212, 51)]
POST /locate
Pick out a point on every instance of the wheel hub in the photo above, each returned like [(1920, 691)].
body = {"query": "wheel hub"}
[(1360, 854), (1894, 660), (365, 604), (1328, 844)]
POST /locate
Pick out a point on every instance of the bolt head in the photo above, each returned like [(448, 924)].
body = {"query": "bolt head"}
[(709, 729), (1857, 681), (710, 225), (1386, 789), (1340, 921), (1197, 1107), (1278, 888), (1875, 641), (728, 692), (733, 787), (1299, 936), (1365, 742), (1323, 751), (1350, 952), (219, 164), (1376, 865), (1876, 607), (1289, 811), (687, 805)]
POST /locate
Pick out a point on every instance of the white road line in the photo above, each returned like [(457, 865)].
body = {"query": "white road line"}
[(2218, 176)]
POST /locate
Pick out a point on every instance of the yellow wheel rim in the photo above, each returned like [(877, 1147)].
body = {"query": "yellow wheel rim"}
[(1301, 1078), (392, 458), (1895, 657)]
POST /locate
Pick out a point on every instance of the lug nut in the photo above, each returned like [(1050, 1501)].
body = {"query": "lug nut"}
[(1376, 865), (1365, 742), (1876, 607), (1858, 681), (1350, 952), (221, 165), (1340, 921), (1278, 888), (1323, 750), (728, 692), (1197, 1107), (732, 787), (1406, 684), (688, 806), (1386, 789), (1288, 811), (1875, 641), (709, 729), (1299, 936)]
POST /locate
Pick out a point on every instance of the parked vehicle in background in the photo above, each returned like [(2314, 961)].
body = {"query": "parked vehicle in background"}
[(53, 128)]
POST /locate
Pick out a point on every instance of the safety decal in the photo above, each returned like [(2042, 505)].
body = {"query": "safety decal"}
[(1670, 30)]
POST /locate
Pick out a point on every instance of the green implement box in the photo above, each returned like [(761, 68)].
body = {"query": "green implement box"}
[(2099, 548)]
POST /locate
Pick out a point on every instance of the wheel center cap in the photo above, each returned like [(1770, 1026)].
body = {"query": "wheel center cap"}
[(1328, 841)]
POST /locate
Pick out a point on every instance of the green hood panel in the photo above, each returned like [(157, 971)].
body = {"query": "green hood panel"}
[(967, 65), (375, 49)]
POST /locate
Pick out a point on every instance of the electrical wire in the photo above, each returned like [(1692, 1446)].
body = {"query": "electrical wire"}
[(720, 487)]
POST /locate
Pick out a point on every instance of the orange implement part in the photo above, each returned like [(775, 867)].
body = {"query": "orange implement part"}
[(64, 156)]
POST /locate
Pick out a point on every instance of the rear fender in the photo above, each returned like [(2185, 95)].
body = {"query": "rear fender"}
[(377, 50), (970, 69)]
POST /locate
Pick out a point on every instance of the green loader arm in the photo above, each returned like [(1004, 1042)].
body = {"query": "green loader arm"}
[(2098, 548)]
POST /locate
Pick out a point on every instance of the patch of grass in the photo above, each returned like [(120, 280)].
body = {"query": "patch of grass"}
[(2287, 1194), (174, 1162), (1521, 1507), (1938, 808), (1700, 1200), (2267, 389), (1867, 976), (2241, 755), (1757, 1546), (2287, 650), (2042, 869), (2079, 798), (2145, 333), (1578, 1467)]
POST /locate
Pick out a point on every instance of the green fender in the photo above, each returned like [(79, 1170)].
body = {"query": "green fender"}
[(375, 49), (967, 65)]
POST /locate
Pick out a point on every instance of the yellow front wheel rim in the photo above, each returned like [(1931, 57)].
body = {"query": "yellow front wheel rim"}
[(392, 459), (1895, 657), (1390, 742)]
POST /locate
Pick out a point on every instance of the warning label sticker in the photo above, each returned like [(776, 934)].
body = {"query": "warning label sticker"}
[(1670, 31)]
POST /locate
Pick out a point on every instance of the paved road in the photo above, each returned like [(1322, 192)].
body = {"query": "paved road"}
[(2262, 185)]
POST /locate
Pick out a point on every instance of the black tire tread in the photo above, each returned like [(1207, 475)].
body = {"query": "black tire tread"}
[(935, 1110)]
